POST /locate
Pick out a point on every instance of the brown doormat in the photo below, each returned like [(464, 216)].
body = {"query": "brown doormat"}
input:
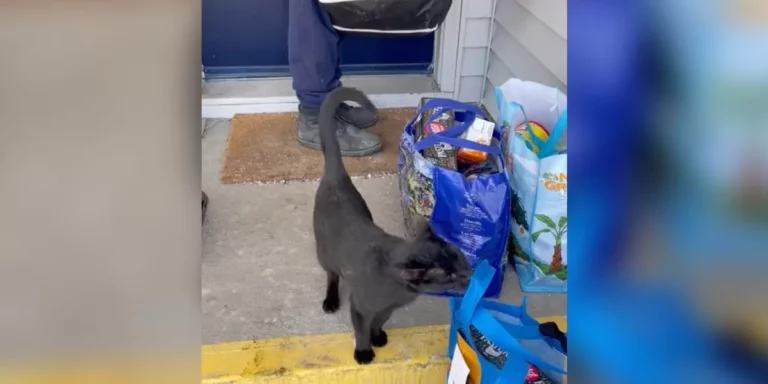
[(263, 148)]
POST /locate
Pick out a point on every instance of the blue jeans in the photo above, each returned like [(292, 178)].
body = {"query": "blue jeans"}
[(313, 53)]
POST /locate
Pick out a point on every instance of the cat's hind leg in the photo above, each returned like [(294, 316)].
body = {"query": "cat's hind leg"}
[(331, 303)]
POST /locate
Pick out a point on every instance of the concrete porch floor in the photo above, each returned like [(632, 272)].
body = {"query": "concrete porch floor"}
[(260, 278)]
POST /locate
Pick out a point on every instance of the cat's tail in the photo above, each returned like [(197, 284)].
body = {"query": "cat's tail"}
[(334, 167)]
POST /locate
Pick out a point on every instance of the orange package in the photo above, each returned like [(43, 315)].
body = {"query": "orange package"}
[(481, 132)]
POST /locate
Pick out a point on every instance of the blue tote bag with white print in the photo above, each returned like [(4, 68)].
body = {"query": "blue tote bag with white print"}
[(501, 343), (470, 213), (534, 120)]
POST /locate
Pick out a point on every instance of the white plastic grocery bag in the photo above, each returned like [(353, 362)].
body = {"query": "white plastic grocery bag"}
[(534, 122)]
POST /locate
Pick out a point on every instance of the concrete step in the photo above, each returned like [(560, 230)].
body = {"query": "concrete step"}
[(413, 355)]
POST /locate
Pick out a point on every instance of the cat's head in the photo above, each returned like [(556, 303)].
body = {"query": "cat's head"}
[(428, 264)]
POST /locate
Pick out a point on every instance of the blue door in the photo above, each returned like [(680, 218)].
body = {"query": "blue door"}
[(248, 38)]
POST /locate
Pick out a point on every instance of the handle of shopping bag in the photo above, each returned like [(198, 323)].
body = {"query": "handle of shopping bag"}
[(443, 105), (431, 140), (487, 325), (499, 335), (522, 314), (473, 296), (548, 148), (513, 370), (549, 329), (450, 135), (529, 330), (459, 129), (449, 104), (478, 285), (538, 142)]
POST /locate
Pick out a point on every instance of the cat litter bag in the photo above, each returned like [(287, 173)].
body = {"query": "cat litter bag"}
[(496, 343), (471, 212), (404, 17), (534, 122)]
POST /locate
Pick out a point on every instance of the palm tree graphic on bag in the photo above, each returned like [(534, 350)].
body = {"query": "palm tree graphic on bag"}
[(557, 231)]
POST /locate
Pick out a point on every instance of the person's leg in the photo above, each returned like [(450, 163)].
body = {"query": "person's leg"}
[(313, 54), (314, 64)]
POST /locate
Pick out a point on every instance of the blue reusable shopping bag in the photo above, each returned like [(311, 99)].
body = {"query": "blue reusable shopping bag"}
[(538, 179), (501, 343), (472, 214)]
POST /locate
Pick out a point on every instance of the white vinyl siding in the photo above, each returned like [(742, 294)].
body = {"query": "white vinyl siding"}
[(529, 41), (473, 45)]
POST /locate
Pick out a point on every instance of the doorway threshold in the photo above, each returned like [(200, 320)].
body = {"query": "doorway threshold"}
[(222, 99)]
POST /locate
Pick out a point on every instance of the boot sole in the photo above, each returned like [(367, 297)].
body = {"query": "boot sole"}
[(360, 153)]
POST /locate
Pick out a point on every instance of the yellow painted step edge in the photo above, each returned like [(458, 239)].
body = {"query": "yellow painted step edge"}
[(413, 355)]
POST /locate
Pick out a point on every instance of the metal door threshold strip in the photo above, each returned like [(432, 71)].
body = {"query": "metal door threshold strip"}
[(226, 108)]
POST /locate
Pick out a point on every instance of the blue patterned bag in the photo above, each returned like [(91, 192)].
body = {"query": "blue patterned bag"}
[(471, 213)]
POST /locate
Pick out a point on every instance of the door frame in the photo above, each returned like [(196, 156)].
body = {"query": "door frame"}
[(448, 47)]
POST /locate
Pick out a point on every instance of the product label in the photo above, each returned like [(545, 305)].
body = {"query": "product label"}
[(435, 127), (481, 132)]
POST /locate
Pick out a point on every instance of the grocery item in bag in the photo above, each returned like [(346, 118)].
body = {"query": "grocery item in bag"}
[(540, 134), (472, 171), (440, 154), (481, 132)]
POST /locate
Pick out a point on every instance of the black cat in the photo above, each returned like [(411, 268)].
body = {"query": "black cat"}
[(384, 272)]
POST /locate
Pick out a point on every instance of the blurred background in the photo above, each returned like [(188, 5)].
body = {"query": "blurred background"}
[(670, 183)]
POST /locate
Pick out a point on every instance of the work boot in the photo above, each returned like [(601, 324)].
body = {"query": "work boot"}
[(352, 140), (359, 117)]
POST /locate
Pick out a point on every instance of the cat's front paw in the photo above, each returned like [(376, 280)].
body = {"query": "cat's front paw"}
[(379, 339), (331, 305), (364, 357)]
